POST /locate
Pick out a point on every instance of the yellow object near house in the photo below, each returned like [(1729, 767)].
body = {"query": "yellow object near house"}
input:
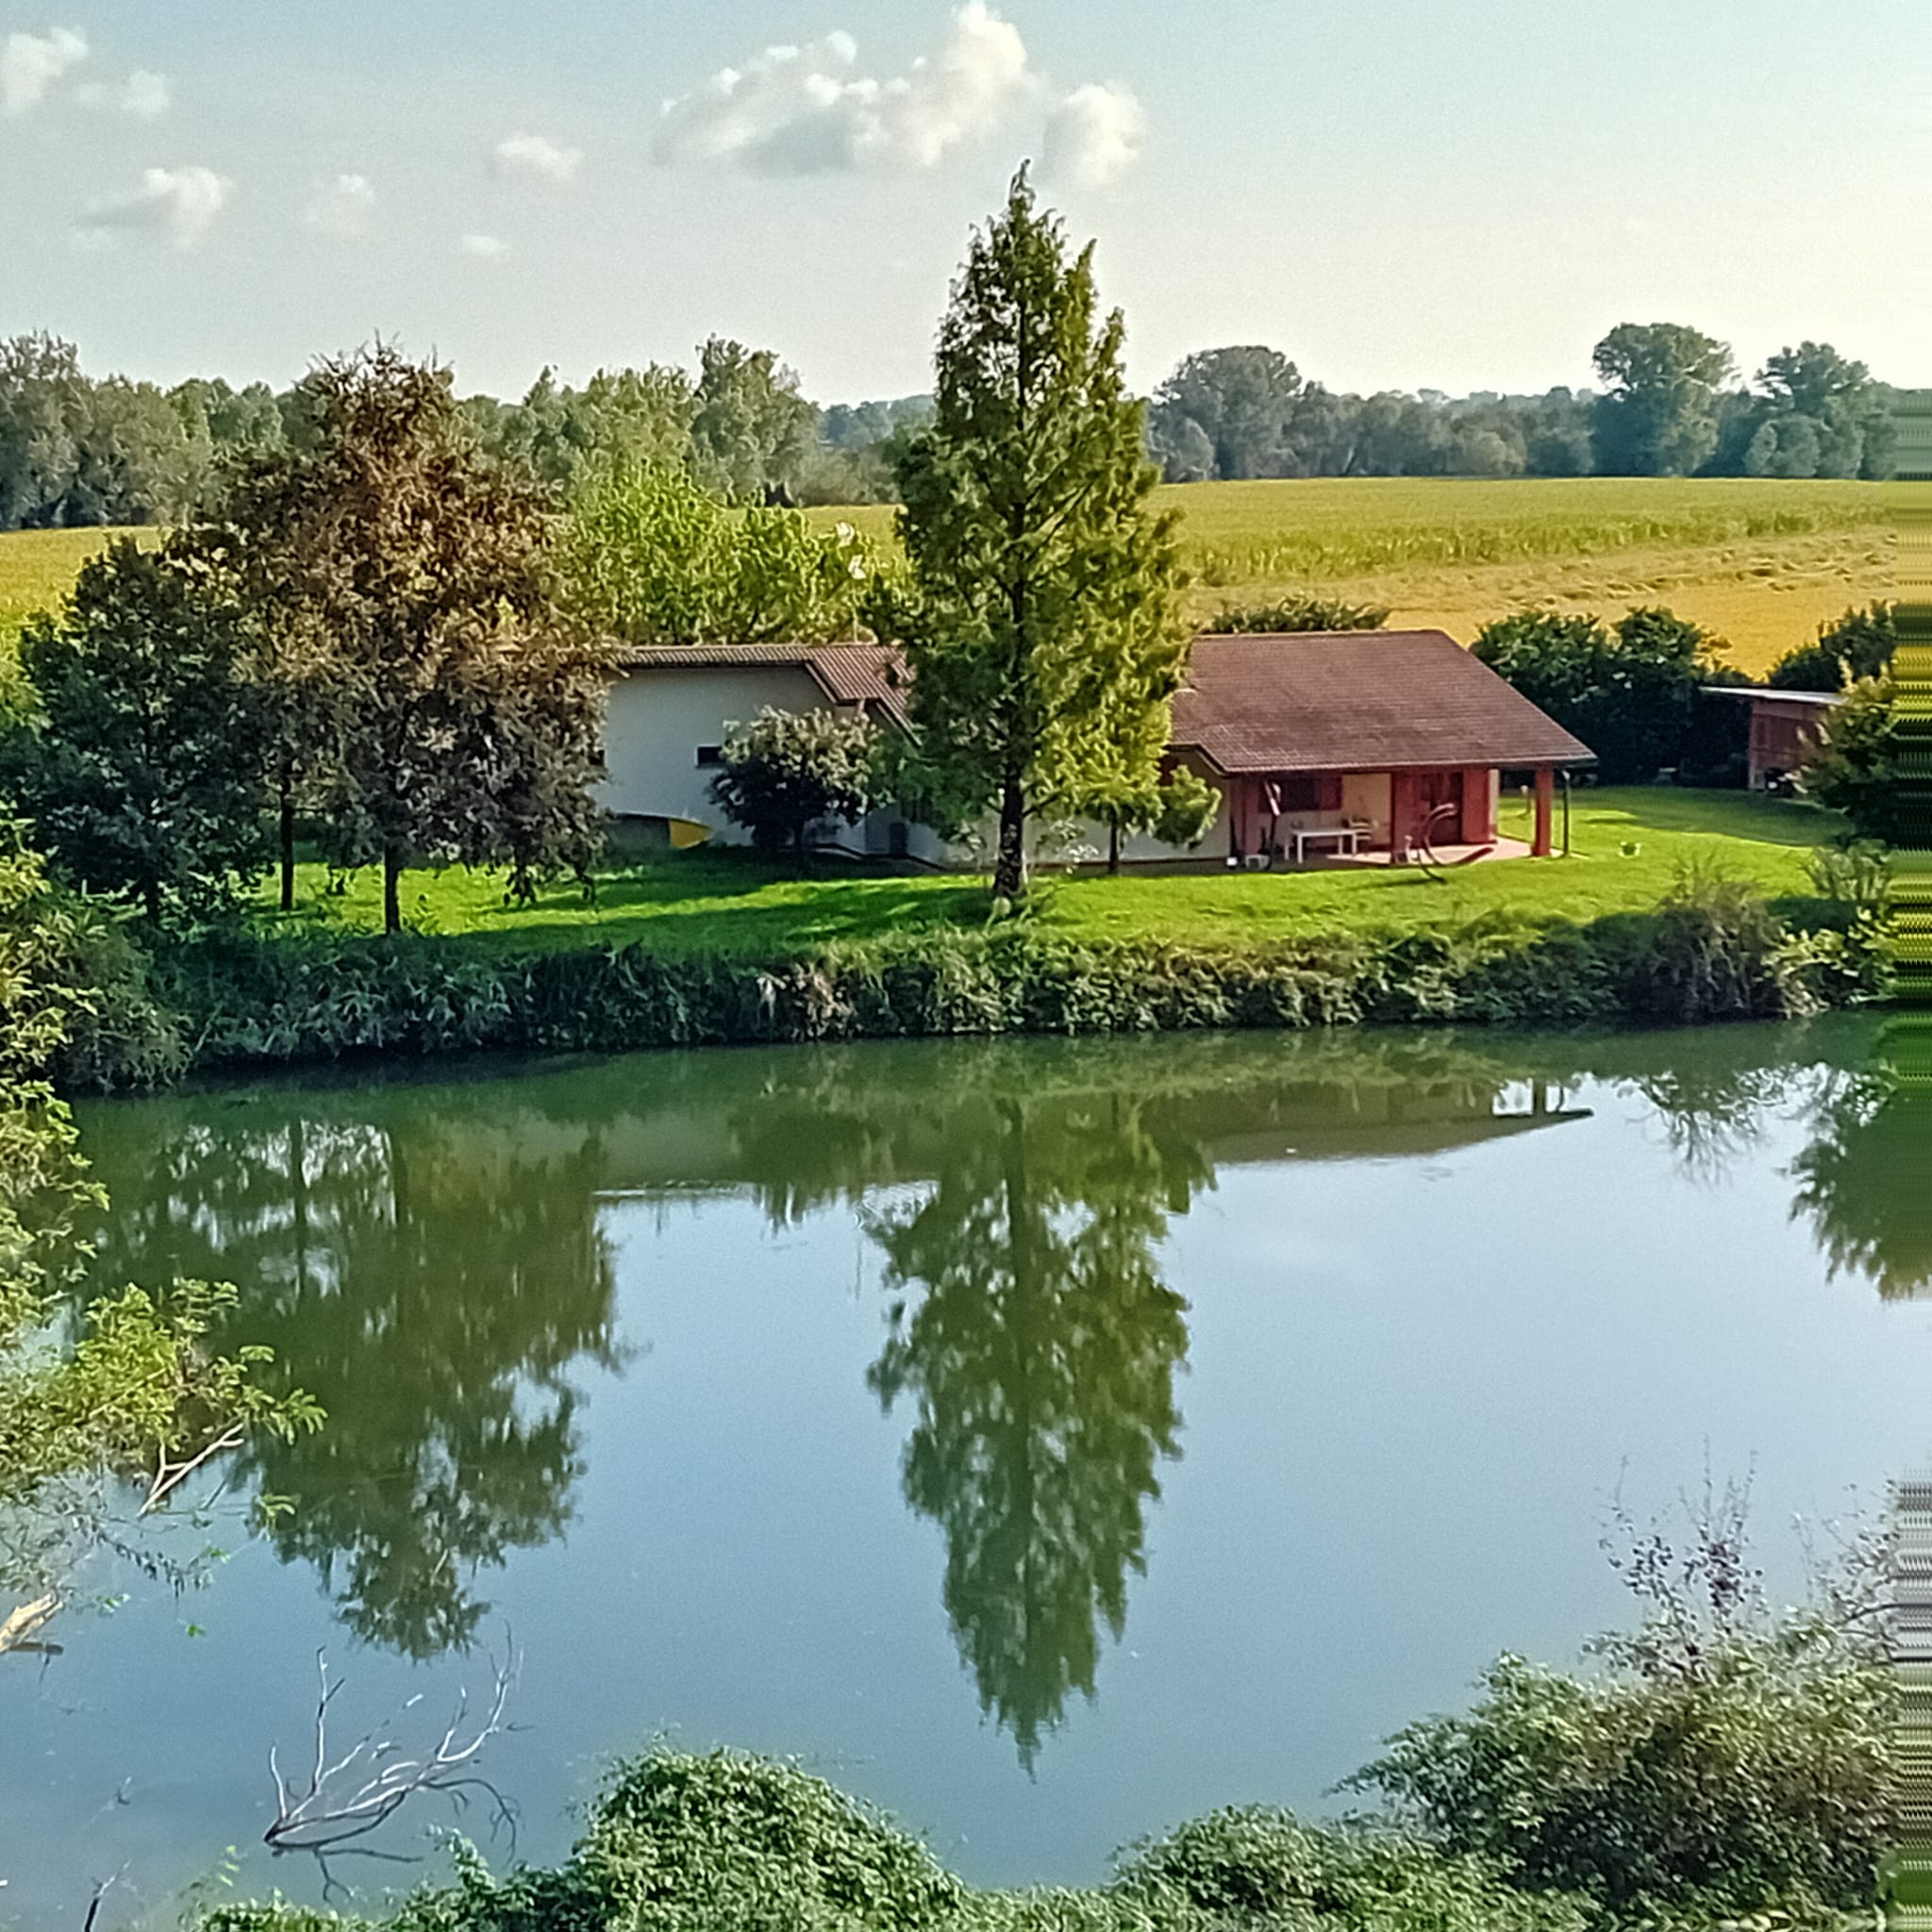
[(685, 833)]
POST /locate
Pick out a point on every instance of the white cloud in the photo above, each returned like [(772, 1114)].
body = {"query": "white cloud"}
[(31, 65), (145, 96), (342, 205), (536, 157), (181, 203), (485, 247), (1094, 137), (808, 109)]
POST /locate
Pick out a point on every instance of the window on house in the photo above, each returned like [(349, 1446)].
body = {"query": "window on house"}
[(710, 755)]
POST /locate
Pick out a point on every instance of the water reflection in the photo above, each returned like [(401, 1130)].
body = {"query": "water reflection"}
[(1862, 1182), (432, 1261), (432, 1278), (1039, 1342)]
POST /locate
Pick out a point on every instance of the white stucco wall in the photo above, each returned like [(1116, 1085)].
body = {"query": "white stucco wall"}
[(657, 720)]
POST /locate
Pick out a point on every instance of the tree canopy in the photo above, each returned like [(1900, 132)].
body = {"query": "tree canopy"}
[(456, 709), (144, 768), (1042, 629), (1658, 416)]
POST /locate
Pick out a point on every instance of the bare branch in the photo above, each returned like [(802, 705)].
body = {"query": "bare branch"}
[(360, 1791)]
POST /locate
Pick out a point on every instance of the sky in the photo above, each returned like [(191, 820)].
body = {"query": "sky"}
[(1456, 194)]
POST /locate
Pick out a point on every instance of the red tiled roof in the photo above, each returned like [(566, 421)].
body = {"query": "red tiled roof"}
[(1342, 701), (1317, 700), (847, 673)]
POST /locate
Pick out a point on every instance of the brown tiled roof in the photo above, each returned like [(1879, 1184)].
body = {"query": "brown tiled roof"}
[(1341, 701), (847, 673)]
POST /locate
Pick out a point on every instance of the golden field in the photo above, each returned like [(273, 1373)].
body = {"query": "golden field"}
[(1759, 563)]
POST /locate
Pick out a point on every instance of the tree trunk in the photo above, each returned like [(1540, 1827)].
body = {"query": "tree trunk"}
[(392, 898), (288, 843), (1113, 851), (1009, 868)]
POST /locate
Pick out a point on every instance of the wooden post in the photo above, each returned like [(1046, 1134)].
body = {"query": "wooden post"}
[(1401, 813), (1545, 801), (1478, 827)]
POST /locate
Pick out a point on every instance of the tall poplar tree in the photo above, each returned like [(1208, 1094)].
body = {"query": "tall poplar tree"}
[(1043, 631)]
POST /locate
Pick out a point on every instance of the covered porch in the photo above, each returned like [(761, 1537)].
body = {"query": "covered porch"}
[(1445, 813)]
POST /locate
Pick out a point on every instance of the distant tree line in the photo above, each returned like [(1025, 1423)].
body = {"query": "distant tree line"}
[(77, 450), (1669, 406)]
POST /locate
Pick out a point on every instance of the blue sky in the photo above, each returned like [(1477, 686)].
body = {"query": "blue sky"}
[(1398, 193)]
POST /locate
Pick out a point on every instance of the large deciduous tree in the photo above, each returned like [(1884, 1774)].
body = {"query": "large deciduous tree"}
[(1042, 635), (452, 712), (1658, 414), (1226, 412), (143, 765)]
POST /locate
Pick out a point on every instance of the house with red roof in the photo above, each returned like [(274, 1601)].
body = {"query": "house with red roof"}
[(1364, 746)]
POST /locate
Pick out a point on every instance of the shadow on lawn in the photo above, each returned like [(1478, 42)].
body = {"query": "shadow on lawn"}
[(700, 905)]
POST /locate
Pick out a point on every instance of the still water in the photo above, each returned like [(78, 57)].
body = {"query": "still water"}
[(1049, 1440)]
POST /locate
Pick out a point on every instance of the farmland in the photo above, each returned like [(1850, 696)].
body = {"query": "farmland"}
[(1761, 563)]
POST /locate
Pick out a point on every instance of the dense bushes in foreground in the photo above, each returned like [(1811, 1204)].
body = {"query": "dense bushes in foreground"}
[(1713, 952), (1726, 1763)]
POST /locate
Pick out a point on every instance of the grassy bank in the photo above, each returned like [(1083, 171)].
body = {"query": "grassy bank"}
[(1629, 847)]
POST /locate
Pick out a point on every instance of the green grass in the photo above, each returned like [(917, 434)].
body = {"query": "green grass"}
[(728, 902)]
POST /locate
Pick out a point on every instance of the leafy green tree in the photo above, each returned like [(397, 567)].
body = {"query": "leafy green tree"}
[(1236, 404), (1628, 691), (621, 416), (787, 772), (1658, 416), (647, 556), (40, 388), (1178, 811), (751, 428), (145, 771), (1856, 767), (1040, 1354), (1858, 644), (456, 709), (1043, 633)]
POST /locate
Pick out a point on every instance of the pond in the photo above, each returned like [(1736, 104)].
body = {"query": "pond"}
[(1049, 1440)]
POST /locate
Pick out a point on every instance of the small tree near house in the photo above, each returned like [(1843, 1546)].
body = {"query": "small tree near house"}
[(1042, 628), (789, 771)]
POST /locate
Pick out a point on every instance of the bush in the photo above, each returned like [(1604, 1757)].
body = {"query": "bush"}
[(1728, 1758), (1856, 645), (1628, 692), (788, 771), (1713, 952), (1296, 614)]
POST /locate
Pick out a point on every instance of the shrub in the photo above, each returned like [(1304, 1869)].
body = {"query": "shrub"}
[(1627, 692), (1856, 645), (1714, 951), (1728, 1758), (1296, 613), (788, 771)]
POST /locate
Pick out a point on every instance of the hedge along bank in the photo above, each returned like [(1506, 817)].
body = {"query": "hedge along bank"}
[(1714, 951)]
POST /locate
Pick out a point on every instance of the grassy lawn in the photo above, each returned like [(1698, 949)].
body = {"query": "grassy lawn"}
[(731, 902)]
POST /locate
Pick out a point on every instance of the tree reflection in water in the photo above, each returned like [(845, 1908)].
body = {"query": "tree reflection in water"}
[(1862, 1182), (433, 1281), (1042, 1355)]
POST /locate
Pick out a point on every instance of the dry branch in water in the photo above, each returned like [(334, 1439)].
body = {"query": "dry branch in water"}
[(18, 1626), (352, 1795)]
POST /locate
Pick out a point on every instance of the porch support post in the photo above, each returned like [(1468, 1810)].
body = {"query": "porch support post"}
[(1401, 813), (1479, 825), (1546, 803)]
